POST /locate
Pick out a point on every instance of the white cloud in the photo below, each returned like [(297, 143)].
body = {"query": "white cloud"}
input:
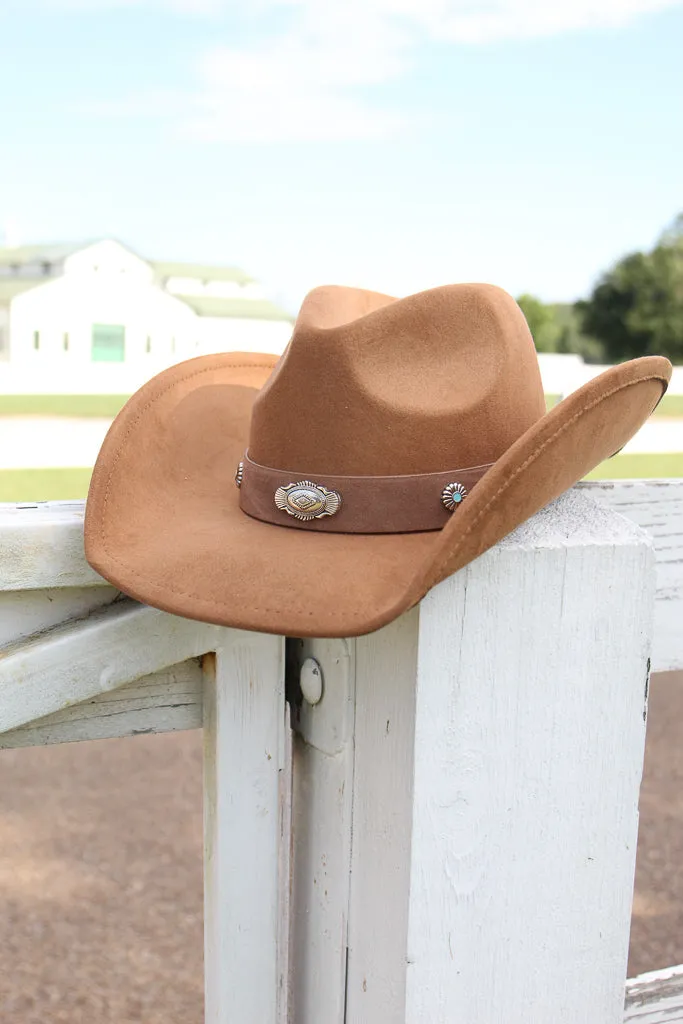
[(305, 84), (479, 21), (296, 88), (314, 80), (468, 21), (196, 7), (527, 19)]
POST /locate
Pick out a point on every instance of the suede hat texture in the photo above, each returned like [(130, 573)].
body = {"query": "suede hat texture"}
[(393, 442)]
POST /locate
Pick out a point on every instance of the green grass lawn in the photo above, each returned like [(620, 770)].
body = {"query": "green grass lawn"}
[(66, 484), (639, 466), (61, 405), (670, 405), (43, 484), (109, 405)]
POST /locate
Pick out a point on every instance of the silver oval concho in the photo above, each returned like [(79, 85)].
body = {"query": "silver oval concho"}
[(452, 495), (306, 500)]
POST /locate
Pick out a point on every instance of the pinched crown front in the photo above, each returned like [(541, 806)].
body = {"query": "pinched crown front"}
[(444, 379)]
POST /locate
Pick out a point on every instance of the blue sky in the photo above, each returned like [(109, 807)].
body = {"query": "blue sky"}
[(393, 144)]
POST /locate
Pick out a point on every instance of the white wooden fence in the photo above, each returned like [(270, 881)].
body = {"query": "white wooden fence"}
[(434, 824)]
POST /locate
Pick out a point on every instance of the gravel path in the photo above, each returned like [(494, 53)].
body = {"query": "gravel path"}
[(100, 874)]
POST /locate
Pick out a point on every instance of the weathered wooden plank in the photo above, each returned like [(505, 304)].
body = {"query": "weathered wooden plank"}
[(80, 659), (656, 997), (321, 838), (244, 756), (284, 880), (41, 546), (519, 811), (165, 701), (384, 738), (529, 743), (656, 506), (26, 612)]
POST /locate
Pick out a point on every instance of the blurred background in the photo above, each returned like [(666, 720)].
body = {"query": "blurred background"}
[(174, 176)]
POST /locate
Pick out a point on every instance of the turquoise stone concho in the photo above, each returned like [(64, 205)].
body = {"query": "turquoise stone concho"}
[(452, 495)]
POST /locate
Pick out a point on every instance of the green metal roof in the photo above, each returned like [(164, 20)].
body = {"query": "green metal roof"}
[(21, 255), (203, 305), (239, 309), (200, 272)]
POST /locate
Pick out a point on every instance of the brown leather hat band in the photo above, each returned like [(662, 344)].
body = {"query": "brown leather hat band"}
[(354, 504)]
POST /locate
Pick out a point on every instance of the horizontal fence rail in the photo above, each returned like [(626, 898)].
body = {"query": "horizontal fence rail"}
[(351, 859), (657, 507), (41, 547), (655, 998)]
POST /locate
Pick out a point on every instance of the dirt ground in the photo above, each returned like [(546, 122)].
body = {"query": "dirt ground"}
[(101, 882), (101, 887), (657, 927)]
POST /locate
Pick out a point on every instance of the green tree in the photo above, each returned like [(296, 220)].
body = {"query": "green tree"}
[(542, 322), (636, 308), (571, 338), (674, 233), (555, 327)]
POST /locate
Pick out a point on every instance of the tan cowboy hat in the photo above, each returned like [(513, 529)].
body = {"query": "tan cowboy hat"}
[(393, 443)]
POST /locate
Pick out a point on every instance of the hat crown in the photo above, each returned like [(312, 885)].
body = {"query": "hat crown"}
[(371, 385)]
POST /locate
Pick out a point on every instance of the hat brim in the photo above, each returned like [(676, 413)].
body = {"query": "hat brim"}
[(163, 521)]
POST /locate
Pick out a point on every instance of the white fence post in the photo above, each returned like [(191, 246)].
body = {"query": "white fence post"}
[(322, 792), (529, 745), (497, 757), (244, 756)]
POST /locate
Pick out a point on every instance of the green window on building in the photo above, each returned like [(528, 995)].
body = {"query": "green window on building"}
[(108, 343)]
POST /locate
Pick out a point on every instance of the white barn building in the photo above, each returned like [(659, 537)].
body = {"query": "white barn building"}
[(96, 318)]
